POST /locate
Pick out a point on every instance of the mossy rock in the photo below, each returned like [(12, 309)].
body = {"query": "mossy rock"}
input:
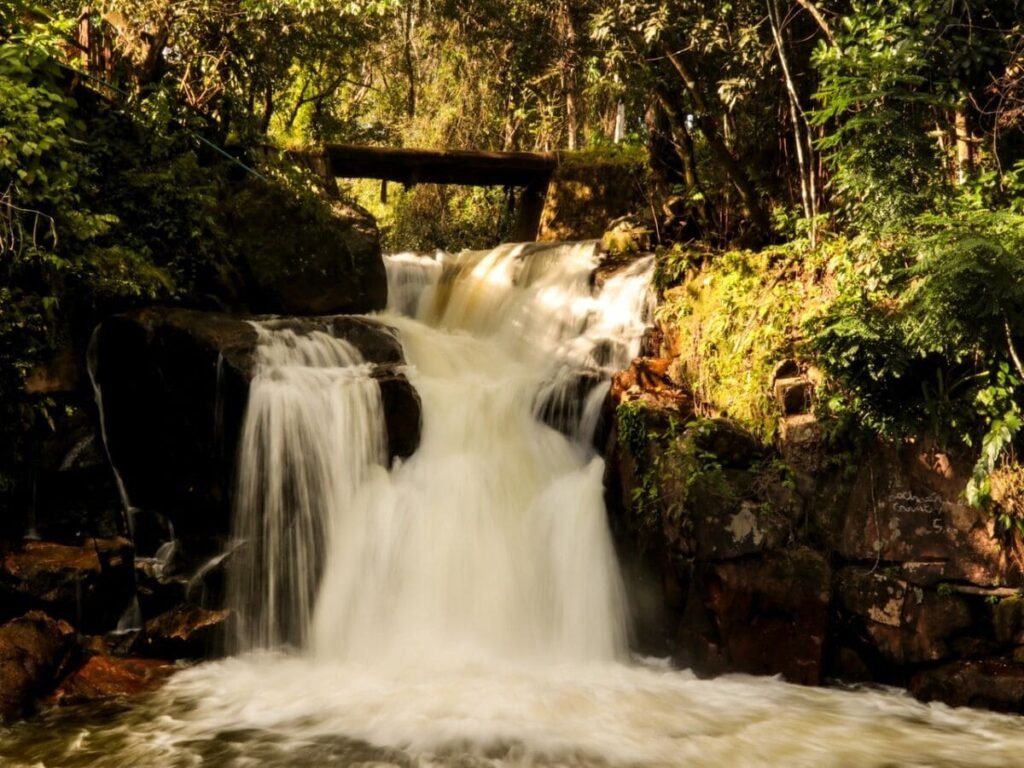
[(303, 255)]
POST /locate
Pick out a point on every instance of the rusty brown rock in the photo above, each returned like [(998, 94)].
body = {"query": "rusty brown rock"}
[(89, 585), (765, 615), (990, 683), (905, 506), (35, 650), (185, 632), (106, 677)]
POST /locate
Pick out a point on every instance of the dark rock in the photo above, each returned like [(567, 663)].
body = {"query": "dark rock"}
[(933, 623), (35, 651), (1008, 620), (724, 528), (906, 506), (305, 259), (89, 585), (175, 387), (991, 684), (185, 632), (731, 444), (107, 677), (766, 615)]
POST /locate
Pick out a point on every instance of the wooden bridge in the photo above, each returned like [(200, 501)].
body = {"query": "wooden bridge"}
[(528, 171)]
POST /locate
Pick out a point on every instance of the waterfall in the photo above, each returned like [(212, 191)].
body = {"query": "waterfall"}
[(491, 541), (313, 433), (463, 607)]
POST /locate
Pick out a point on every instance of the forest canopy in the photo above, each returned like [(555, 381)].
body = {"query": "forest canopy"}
[(885, 135)]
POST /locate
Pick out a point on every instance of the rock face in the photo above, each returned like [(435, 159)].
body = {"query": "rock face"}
[(302, 259), (185, 632), (585, 194), (798, 560), (35, 651), (174, 387), (89, 585), (106, 677)]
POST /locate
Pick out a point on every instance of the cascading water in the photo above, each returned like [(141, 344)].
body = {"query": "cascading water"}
[(491, 540), (464, 607), (313, 432)]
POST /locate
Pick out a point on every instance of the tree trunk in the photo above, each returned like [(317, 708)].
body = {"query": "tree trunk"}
[(706, 121), (796, 115)]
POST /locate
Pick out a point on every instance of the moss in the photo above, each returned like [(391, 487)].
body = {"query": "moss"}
[(739, 313), (634, 155)]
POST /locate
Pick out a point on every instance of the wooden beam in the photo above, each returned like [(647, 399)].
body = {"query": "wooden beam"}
[(421, 166)]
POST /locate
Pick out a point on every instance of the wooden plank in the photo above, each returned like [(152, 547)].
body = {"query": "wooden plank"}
[(420, 166)]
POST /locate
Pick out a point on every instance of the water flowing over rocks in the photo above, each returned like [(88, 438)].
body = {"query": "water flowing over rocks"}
[(174, 386)]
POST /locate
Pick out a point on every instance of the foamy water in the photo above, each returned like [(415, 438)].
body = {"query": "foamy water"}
[(465, 608)]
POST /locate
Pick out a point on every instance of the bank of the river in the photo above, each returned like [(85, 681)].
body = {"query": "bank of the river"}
[(766, 531)]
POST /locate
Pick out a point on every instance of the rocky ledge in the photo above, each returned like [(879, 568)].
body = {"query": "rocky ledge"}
[(174, 386), (814, 561)]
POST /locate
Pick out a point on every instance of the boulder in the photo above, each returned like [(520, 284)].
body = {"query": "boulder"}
[(185, 632), (104, 677), (89, 585), (766, 616), (990, 683), (304, 256), (906, 506), (35, 651), (174, 385)]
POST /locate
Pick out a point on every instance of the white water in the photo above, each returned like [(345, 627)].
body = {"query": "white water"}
[(313, 433), (464, 608)]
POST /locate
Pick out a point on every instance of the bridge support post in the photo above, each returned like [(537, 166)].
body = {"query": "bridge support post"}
[(531, 206)]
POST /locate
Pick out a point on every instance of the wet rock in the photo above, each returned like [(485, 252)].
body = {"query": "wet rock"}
[(906, 506), (90, 584), (561, 404), (730, 443), (185, 632), (305, 259), (765, 615), (175, 386), (627, 234), (403, 415), (106, 677), (35, 651), (990, 684)]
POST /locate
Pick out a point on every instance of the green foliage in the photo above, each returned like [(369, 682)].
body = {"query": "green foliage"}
[(671, 464), (738, 316), (429, 216), (925, 342)]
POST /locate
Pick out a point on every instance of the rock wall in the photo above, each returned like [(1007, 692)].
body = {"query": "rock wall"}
[(174, 385), (586, 193), (819, 562)]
